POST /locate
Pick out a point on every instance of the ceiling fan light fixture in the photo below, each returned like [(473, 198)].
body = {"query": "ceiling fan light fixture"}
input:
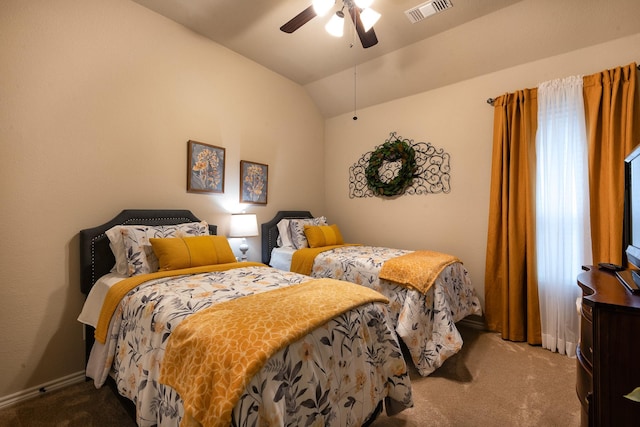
[(369, 17), (363, 4), (321, 7), (335, 26)]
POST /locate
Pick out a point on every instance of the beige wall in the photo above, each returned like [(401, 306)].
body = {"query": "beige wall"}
[(97, 102), (457, 119)]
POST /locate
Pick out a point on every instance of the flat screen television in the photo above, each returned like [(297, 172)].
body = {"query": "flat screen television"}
[(631, 238)]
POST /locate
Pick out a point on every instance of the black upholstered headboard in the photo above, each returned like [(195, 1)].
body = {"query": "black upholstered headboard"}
[(96, 258), (270, 231)]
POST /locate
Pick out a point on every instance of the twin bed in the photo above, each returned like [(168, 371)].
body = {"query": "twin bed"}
[(424, 319), (192, 337)]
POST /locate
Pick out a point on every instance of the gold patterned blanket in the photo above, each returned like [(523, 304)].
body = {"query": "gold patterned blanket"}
[(417, 269), (119, 290), (302, 259), (213, 354)]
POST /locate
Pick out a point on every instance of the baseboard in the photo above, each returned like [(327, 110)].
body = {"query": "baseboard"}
[(32, 392), (474, 321)]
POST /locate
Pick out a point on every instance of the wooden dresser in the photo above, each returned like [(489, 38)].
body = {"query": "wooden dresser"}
[(608, 356)]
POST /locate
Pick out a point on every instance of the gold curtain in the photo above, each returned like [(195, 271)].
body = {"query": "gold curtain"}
[(511, 291), (613, 129), (612, 117)]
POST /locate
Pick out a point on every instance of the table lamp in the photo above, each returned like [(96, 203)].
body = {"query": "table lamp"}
[(243, 225)]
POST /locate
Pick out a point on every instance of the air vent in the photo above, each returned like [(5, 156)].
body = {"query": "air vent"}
[(424, 10)]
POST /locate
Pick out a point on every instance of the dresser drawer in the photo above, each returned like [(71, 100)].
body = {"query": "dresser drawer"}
[(584, 384), (584, 389), (586, 311), (586, 338)]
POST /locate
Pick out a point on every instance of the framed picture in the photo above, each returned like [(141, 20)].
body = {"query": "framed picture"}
[(254, 178), (205, 168)]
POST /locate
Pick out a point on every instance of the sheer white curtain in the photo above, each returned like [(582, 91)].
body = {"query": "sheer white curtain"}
[(563, 239)]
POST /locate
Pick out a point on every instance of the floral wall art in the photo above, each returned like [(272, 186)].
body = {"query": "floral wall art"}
[(205, 168), (253, 182)]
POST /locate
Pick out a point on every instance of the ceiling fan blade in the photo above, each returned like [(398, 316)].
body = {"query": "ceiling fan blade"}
[(367, 38), (299, 20)]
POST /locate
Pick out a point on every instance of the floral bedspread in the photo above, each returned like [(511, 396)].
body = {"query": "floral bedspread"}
[(425, 322), (334, 376)]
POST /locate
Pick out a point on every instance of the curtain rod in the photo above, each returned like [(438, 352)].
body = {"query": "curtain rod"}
[(491, 100)]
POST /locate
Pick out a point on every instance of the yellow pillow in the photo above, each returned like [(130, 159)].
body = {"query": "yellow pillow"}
[(183, 252), (323, 235)]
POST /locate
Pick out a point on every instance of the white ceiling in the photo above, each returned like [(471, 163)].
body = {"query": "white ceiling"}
[(252, 29), (473, 37)]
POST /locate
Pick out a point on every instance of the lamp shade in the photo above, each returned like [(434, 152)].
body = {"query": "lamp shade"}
[(321, 7), (369, 18), (335, 26), (243, 225)]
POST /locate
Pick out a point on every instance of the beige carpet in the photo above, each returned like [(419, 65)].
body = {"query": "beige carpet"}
[(79, 405), (491, 382)]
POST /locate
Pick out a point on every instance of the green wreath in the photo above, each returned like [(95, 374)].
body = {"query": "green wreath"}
[(391, 151)]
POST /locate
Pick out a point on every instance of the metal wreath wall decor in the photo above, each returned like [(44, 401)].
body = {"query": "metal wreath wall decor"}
[(400, 166), (384, 184)]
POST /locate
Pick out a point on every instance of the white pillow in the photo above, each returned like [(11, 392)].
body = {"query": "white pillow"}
[(296, 230), (132, 250), (284, 236), (117, 247)]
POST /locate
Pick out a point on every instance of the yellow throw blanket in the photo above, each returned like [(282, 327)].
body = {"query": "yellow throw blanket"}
[(302, 259), (213, 354), (120, 289), (417, 269)]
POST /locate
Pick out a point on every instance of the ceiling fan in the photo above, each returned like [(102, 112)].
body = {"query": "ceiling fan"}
[(362, 15)]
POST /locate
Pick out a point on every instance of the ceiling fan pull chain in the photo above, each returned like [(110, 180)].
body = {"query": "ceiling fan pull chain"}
[(355, 92), (355, 77)]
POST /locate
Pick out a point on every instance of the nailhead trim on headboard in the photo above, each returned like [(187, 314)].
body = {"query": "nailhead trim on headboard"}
[(132, 221), (90, 239), (270, 231)]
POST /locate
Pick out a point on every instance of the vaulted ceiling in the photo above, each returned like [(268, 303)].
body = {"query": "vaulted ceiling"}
[(471, 38)]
